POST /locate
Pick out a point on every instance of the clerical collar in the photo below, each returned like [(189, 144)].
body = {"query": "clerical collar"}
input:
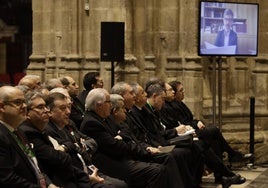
[(152, 108)]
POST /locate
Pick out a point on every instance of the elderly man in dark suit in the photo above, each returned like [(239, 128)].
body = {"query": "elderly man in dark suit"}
[(123, 161), (62, 129), (56, 163), (18, 164)]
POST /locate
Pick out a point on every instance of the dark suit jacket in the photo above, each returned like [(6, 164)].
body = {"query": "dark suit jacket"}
[(56, 164), (167, 115), (104, 131), (183, 114), (76, 135), (120, 155), (82, 96), (63, 138), (15, 168), (77, 112), (232, 39), (151, 120), (139, 122)]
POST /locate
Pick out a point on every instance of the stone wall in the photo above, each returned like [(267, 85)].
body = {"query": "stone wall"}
[(160, 41)]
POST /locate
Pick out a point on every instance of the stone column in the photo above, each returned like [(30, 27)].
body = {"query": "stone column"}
[(237, 85), (191, 74), (41, 39), (127, 70), (143, 39), (88, 33), (166, 39)]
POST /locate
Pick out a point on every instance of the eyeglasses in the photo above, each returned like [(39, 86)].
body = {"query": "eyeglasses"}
[(40, 108), (16, 102), (107, 101)]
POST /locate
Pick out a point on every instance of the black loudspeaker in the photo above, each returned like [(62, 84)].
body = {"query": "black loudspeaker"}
[(112, 41)]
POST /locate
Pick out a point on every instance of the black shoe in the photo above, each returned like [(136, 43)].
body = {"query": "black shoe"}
[(240, 181), (228, 181), (239, 157)]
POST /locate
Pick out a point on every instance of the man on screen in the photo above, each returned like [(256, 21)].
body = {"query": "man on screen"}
[(227, 37)]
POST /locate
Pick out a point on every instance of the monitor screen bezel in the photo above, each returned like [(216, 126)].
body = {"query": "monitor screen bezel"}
[(223, 54)]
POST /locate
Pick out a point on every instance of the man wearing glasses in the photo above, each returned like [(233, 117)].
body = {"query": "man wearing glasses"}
[(56, 163), (18, 164), (227, 36)]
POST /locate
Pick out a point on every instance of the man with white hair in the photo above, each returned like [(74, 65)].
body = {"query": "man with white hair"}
[(85, 144), (114, 154), (32, 81)]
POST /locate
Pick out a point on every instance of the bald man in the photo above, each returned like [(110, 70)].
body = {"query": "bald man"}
[(18, 165)]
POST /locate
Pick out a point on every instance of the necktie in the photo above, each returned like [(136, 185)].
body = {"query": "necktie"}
[(30, 155)]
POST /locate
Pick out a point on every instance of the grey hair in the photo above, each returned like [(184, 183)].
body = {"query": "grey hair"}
[(115, 98), (52, 83), (154, 89), (30, 96), (23, 88), (60, 90), (135, 87), (119, 88), (94, 97)]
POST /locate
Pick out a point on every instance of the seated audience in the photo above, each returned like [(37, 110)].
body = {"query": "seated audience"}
[(226, 177), (57, 164), (18, 164), (84, 142), (176, 111), (182, 156), (59, 119), (139, 150), (125, 164)]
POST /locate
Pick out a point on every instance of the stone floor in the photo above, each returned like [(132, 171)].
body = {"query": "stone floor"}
[(257, 177)]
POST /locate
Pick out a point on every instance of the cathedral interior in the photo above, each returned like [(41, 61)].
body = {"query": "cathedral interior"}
[(52, 38)]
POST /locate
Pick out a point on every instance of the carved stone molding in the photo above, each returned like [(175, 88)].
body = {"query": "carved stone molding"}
[(149, 63), (174, 63), (127, 70)]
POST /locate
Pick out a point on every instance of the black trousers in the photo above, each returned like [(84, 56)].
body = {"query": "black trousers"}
[(136, 174), (109, 182), (213, 136), (175, 179), (212, 160), (183, 158)]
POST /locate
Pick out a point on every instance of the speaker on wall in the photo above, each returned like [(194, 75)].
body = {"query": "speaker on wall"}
[(112, 41)]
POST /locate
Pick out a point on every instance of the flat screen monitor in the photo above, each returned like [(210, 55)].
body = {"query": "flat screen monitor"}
[(228, 29)]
